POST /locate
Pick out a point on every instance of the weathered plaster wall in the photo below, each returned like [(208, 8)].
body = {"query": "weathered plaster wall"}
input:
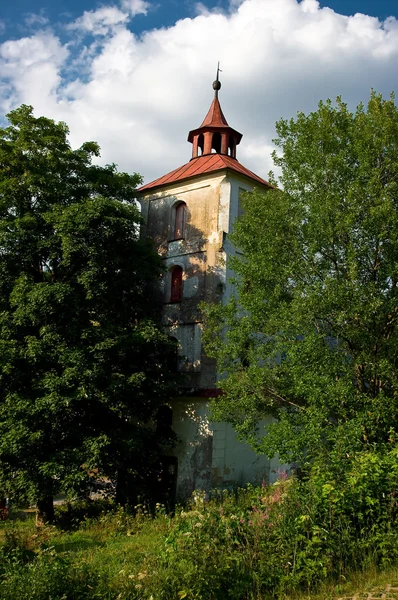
[(201, 257), (209, 455), (237, 185), (195, 446), (234, 462)]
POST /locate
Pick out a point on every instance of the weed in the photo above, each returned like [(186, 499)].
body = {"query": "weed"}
[(253, 543)]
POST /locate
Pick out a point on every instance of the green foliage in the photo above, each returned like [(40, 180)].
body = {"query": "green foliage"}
[(70, 515), (83, 361), (259, 542), (310, 337), (48, 576)]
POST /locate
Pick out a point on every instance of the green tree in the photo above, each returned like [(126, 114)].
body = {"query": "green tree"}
[(311, 335), (83, 361)]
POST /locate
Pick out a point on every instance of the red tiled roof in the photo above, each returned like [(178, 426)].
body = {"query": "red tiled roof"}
[(201, 165), (215, 116), (215, 121)]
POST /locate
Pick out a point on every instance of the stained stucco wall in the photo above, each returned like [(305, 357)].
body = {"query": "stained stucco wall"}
[(199, 254), (209, 455)]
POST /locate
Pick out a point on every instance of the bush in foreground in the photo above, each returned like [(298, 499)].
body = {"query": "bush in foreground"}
[(256, 543)]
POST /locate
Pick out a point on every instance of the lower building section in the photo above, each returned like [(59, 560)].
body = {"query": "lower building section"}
[(208, 455)]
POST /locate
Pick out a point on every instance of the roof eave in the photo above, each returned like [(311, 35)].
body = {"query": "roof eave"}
[(181, 180), (226, 168), (214, 128)]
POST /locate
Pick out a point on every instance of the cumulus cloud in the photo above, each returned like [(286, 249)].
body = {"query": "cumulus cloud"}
[(135, 7), (33, 20), (101, 21), (138, 95), (30, 70), (202, 9)]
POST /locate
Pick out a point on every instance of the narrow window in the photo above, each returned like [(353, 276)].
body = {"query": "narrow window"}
[(216, 142), (179, 221), (176, 285), (201, 143), (232, 147)]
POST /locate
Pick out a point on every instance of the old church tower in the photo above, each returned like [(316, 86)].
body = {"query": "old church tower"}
[(189, 213)]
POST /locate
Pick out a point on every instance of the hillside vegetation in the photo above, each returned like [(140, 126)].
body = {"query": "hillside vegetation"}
[(267, 542)]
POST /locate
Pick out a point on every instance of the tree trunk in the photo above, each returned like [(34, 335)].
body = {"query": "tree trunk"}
[(45, 511), (121, 487)]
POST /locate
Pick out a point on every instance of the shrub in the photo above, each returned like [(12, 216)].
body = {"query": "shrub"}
[(71, 514), (47, 576), (258, 542)]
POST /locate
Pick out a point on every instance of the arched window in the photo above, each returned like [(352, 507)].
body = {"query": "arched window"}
[(216, 142), (179, 221), (176, 285), (201, 143), (232, 147)]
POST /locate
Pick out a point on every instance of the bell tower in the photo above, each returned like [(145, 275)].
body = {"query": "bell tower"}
[(188, 213), (214, 135)]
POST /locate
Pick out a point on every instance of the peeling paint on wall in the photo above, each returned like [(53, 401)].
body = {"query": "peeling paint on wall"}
[(208, 454)]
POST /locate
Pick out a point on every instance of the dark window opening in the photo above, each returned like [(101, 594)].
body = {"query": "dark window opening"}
[(179, 221), (176, 285), (201, 144), (216, 142), (231, 147)]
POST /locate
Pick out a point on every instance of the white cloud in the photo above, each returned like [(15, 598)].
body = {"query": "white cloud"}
[(33, 20), (138, 96), (30, 70), (202, 9), (101, 21), (135, 7)]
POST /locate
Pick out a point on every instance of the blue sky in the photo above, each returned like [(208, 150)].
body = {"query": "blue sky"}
[(162, 14), (376, 8), (135, 75), (166, 12)]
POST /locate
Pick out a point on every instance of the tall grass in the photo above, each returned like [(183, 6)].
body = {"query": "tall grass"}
[(258, 542)]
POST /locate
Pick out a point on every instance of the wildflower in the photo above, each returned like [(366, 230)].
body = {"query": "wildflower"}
[(281, 475)]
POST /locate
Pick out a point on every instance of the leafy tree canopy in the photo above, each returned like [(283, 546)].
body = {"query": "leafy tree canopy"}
[(311, 336), (82, 359)]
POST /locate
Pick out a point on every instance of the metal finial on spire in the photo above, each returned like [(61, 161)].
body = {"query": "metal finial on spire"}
[(217, 83)]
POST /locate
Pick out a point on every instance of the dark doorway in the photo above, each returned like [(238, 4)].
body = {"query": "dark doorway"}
[(167, 481)]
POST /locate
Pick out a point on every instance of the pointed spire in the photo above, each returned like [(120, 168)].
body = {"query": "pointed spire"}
[(217, 83), (214, 135), (215, 116)]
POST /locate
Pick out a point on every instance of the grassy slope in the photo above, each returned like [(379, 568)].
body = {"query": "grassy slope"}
[(118, 549), (254, 544)]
